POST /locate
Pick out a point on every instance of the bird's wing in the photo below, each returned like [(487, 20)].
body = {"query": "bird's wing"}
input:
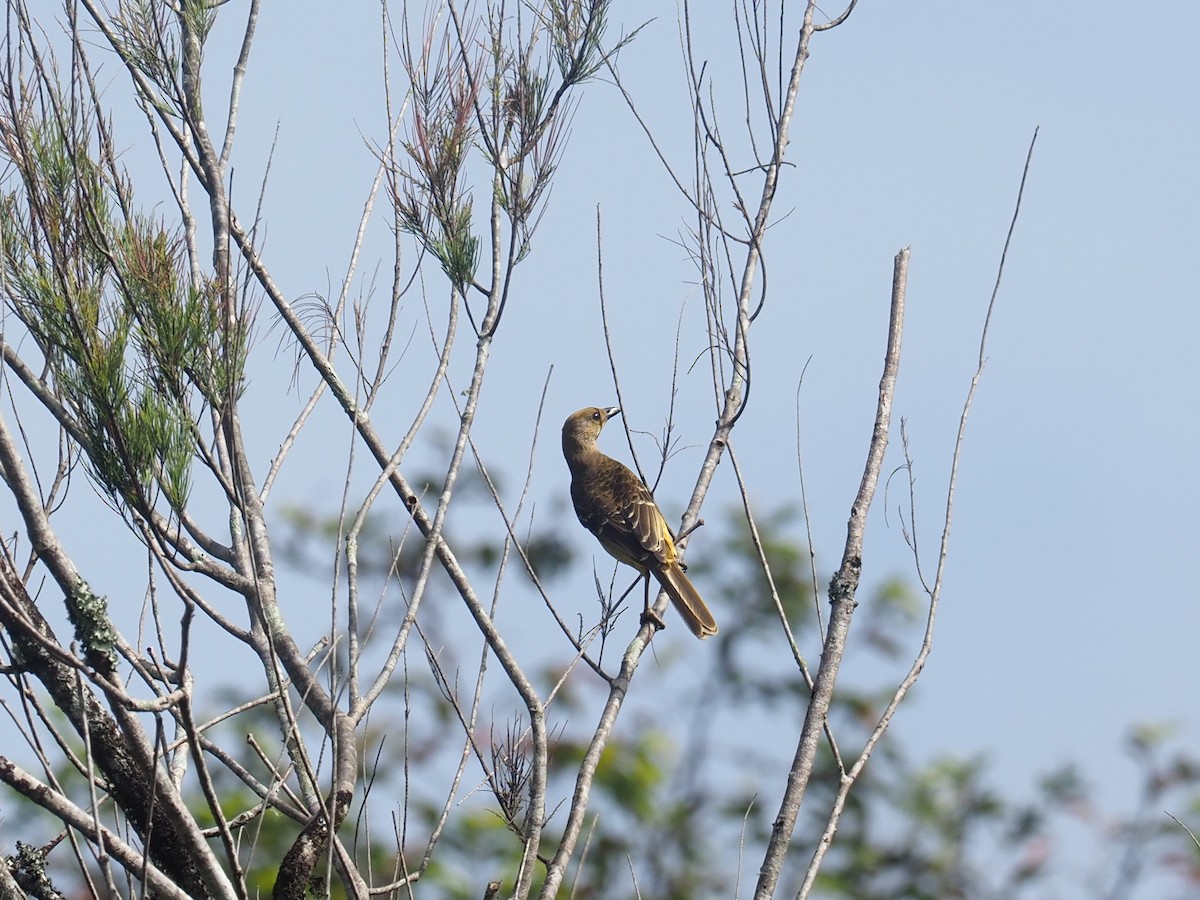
[(621, 512), (648, 525)]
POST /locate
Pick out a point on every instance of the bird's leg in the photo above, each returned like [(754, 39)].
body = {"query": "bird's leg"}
[(649, 616)]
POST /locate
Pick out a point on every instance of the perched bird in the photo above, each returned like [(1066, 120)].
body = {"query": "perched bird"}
[(614, 505)]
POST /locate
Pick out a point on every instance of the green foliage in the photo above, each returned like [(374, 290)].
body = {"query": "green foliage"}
[(199, 16), (134, 350), (516, 118), (630, 773), (148, 40), (576, 28), (430, 200)]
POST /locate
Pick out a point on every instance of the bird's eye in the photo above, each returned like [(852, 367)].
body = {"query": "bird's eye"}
[(596, 415)]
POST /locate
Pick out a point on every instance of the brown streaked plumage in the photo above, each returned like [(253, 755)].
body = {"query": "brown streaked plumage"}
[(614, 505)]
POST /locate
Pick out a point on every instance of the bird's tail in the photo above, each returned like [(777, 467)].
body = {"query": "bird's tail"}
[(687, 600)]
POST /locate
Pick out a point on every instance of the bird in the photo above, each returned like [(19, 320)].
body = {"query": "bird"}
[(614, 505)]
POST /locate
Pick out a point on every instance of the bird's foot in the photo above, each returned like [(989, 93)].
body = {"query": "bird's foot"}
[(650, 617)]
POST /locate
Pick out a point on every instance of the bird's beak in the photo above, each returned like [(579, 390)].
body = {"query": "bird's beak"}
[(612, 411)]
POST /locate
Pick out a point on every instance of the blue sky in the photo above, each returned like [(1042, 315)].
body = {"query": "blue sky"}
[(1070, 609), (1069, 612)]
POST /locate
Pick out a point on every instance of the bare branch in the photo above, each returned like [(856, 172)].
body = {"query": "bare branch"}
[(842, 589)]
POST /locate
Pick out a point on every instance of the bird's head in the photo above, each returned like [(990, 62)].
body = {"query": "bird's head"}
[(582, 428)]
